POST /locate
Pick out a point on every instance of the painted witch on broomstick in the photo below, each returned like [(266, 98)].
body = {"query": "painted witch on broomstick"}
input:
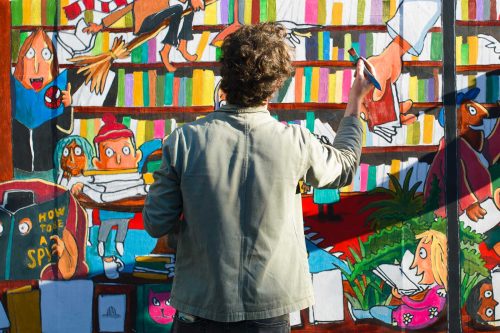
[(150, 18)]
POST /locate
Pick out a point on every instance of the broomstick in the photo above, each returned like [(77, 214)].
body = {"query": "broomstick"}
[(96, 68)]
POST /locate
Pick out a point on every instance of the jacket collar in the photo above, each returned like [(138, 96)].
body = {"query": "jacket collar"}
[(242, 109)]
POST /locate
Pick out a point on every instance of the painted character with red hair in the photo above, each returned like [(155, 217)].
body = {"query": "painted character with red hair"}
[(41, 102)]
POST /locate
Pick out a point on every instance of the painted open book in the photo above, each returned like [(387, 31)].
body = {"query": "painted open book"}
[(401, 277), (26, 226), (383, 115), (76, 42)]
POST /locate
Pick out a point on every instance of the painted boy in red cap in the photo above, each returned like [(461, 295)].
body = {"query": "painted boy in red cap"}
[(115, 150)]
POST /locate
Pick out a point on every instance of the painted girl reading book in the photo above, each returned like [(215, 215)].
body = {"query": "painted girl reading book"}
[(431, 262)]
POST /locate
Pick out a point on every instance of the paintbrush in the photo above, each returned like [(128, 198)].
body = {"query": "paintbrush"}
[(367, 72)]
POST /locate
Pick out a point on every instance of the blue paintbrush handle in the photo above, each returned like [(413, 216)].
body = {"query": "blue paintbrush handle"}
[(372, 79), (367, 72)]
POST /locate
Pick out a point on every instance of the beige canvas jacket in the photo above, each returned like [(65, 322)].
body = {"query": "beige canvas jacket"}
[(233, 175)]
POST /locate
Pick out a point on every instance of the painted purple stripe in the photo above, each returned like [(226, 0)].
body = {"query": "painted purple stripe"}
[(362, 44), (323, 85), (479, 10), (430, 90), (376, 12), (224, 4), (152, 51), (129, 89)]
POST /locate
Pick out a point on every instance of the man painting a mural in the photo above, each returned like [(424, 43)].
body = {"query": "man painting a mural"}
[(135, 73), (233, 228)]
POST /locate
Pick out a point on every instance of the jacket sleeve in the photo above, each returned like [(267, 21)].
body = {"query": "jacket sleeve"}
[(163, 206), (335, 166)]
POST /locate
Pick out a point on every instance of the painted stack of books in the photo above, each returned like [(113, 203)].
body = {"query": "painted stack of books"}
[(154, 266)]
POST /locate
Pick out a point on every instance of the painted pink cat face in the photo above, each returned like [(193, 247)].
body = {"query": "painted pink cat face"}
[(159, 307)]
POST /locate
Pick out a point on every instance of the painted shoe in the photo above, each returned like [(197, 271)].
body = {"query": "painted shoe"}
[(119, 248), (100, 249)]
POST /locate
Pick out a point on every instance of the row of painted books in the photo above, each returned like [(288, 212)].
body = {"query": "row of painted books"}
[(330, 85), (323, 45), (420, 89), (320, 45), (337, 12), (156, 88), (488, 84), (426, 130), (478, 10), (318, 12), (368, 177), (476, 50), (196, 87), (70, 306), (333, 45)]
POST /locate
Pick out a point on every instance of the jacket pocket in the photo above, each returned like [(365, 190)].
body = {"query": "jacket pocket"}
[(275, 322)]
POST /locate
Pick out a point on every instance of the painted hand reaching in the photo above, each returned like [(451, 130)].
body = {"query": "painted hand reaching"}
[(388, 66), (93, 28), (475, 212), (198, 5)]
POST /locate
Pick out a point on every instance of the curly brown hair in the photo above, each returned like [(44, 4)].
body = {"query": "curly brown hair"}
[(255, 61)]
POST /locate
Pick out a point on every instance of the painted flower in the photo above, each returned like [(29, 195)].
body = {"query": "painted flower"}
[(394, 322), (433, 312), (407, 318)]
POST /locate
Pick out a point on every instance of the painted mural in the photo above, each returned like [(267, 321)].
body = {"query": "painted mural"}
[(96, 85)]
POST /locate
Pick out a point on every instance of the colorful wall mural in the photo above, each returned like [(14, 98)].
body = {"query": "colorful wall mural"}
[(96, 85)]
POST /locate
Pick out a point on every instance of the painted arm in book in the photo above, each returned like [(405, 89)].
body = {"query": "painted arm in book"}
[(334, 166), (67, 252), (408, 28), (163, 204)]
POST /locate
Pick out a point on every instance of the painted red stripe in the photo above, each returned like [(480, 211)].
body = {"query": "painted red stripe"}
[(105, 7), (255, 11), (472, 9), (89, 4)]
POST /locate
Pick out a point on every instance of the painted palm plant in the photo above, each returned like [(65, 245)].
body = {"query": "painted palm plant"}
[(402, 203)]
